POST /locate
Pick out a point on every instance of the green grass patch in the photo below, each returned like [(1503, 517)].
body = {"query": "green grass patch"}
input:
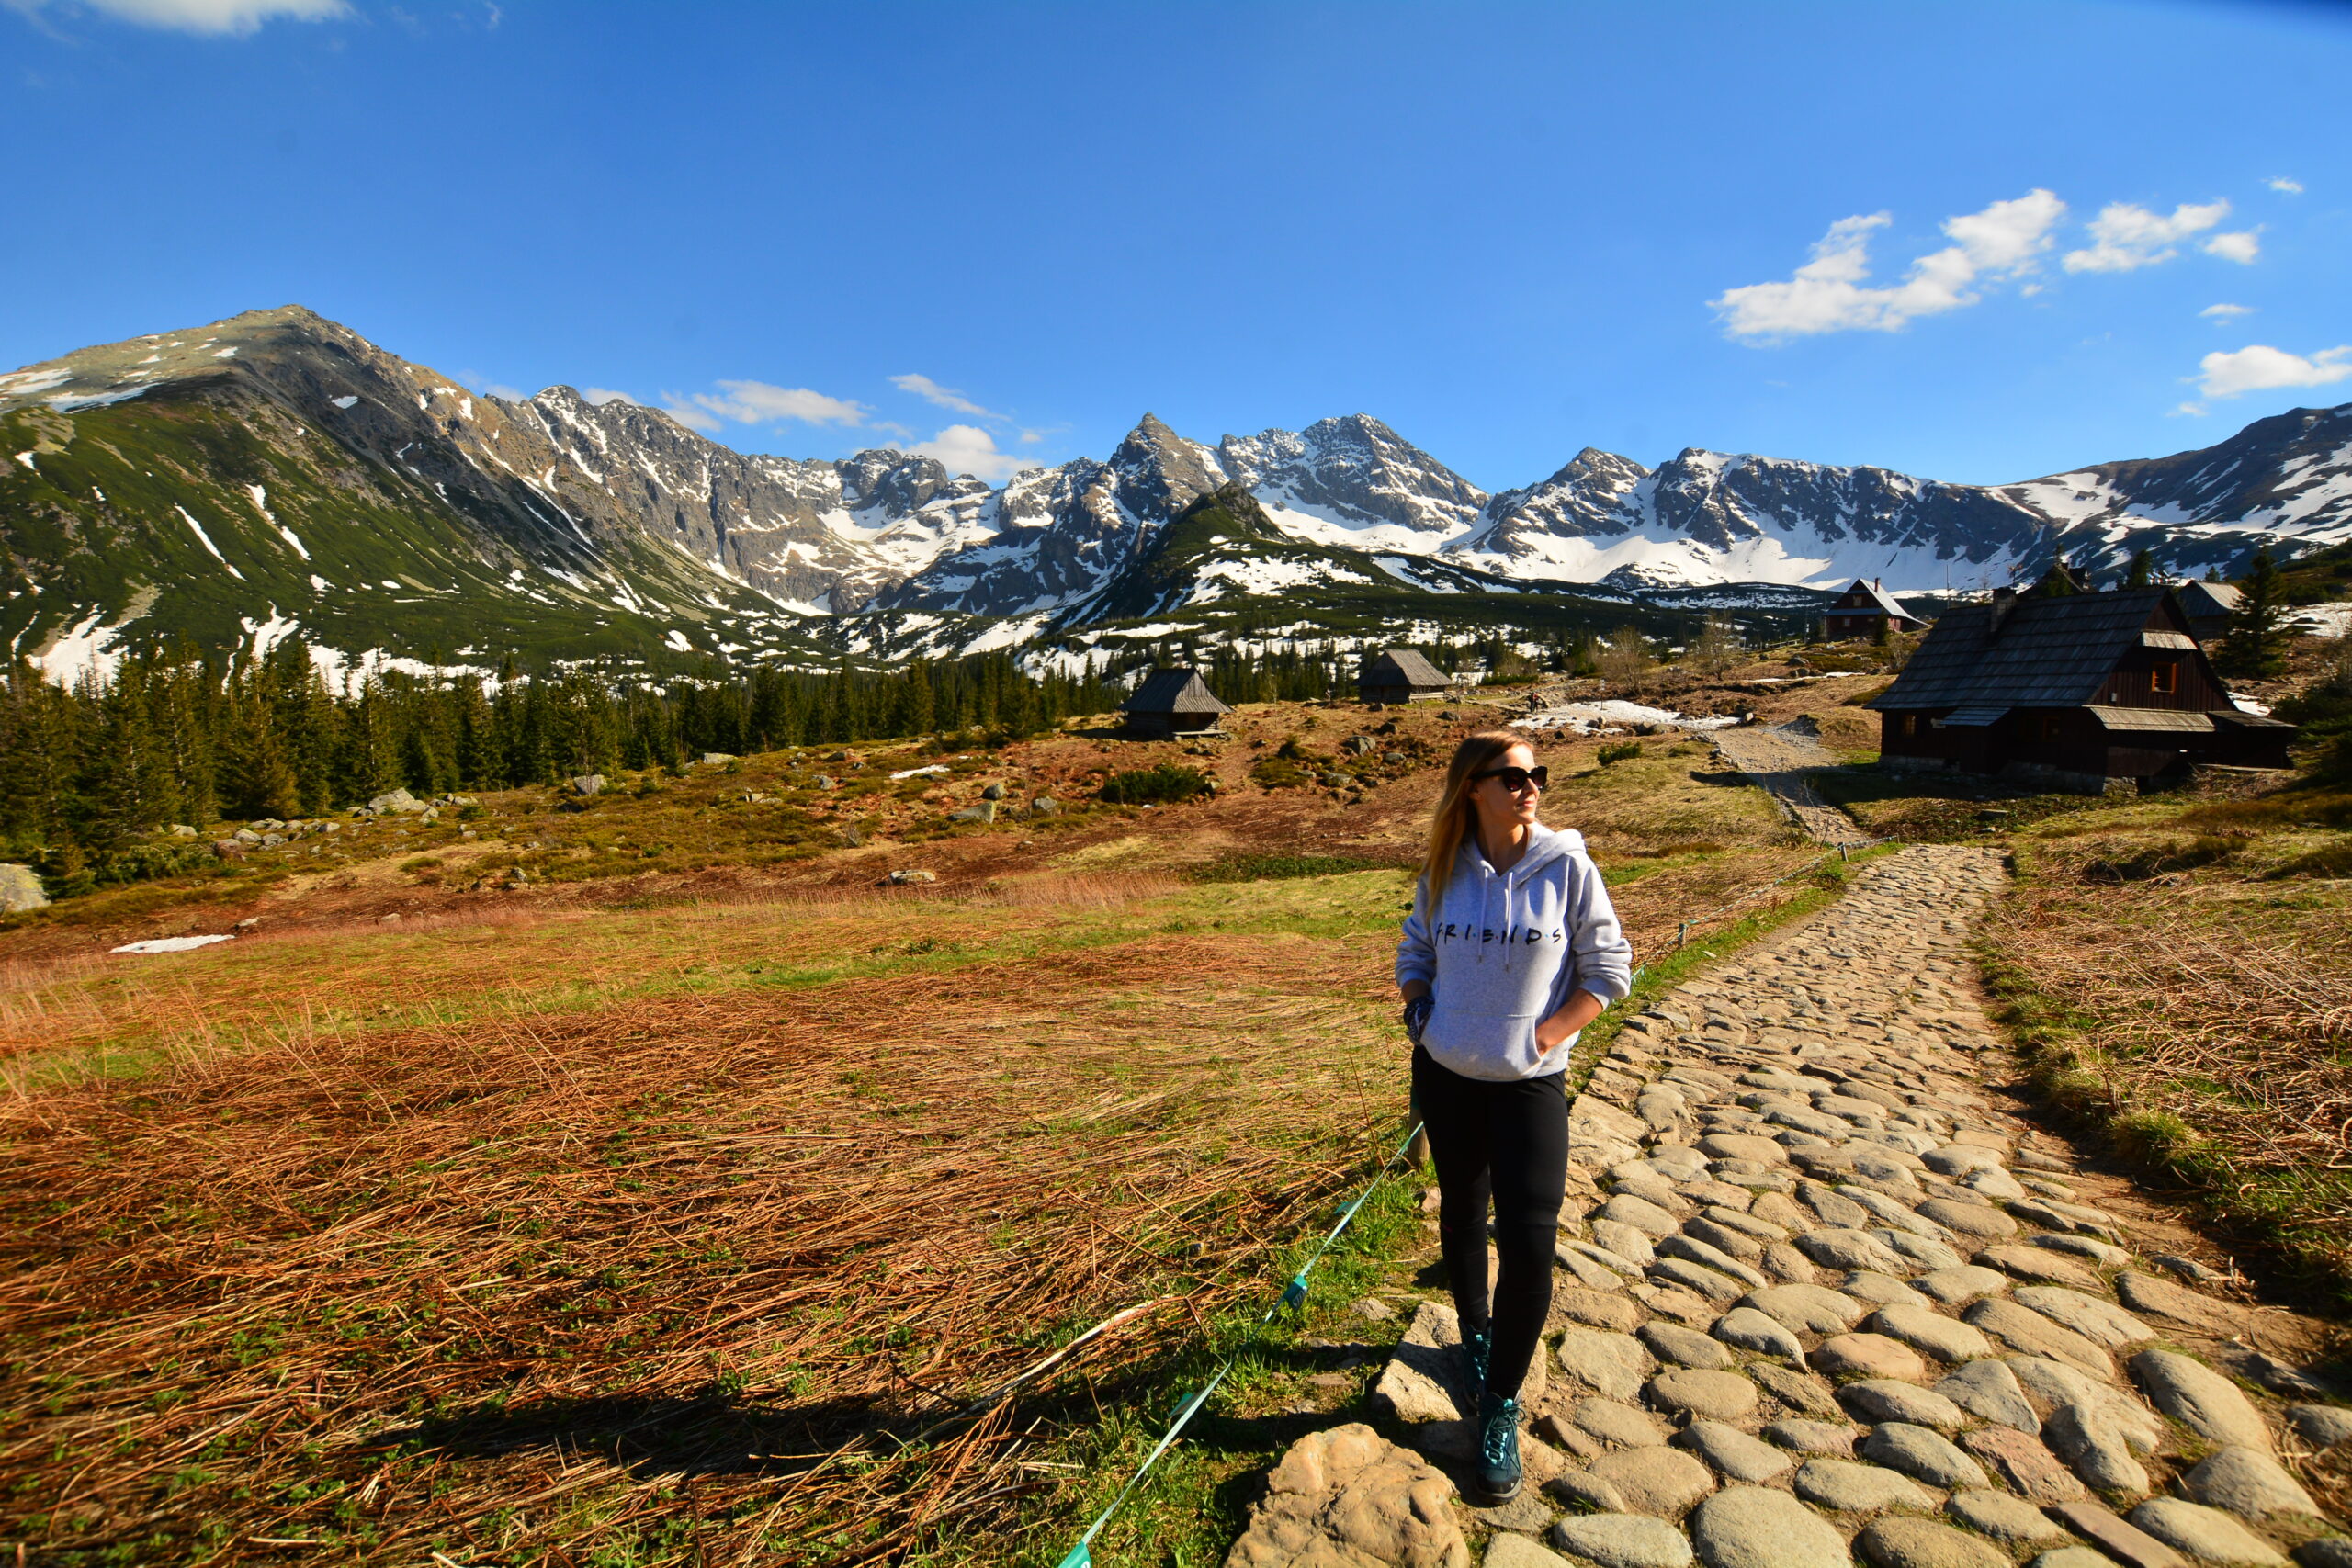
[(1283, 867)]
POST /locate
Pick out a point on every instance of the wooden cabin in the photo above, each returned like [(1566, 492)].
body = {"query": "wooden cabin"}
[(1172, 704), (1865, 610), (2086, 693), (1400, 675), (2209, 607)]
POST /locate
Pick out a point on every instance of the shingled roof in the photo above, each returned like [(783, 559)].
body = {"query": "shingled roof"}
[(1884, 601), (1401, 667), (2048, 653), (1174, 691)]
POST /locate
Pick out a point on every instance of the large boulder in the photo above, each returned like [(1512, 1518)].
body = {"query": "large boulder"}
[(20, 889), (1346, 1497)]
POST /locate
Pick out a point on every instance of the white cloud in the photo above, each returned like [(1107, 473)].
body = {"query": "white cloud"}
[(215, 16), (501, 390), (2125, 237), (694, 418), (969, 449), (2240, 247), (2259, 367), (932, 391), (2282, 183), (2226, 311), (1827, 294), (758, 403), (600, 396)]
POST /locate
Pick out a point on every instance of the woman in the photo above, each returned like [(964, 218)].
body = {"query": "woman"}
[(1511, 949)]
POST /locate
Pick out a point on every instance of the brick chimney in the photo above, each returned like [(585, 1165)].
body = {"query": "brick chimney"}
[(2004, 601)]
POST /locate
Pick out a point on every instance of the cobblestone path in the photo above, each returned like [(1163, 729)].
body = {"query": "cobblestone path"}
[(1777, 759), (1820, 1299)]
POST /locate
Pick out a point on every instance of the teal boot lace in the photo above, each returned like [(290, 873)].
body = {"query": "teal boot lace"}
[(1498, 1472)]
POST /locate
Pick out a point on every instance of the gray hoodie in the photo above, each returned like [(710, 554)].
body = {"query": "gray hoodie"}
[(1506, 950)]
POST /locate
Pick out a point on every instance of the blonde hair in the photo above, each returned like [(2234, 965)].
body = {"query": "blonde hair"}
[(1455, 815)]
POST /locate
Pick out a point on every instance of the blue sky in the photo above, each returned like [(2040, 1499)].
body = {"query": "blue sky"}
[(1976, 242)]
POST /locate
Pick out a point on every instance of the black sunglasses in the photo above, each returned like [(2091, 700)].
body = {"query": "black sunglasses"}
[(1516, 779)]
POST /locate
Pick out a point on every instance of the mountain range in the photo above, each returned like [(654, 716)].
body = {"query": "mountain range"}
[(276, 473)]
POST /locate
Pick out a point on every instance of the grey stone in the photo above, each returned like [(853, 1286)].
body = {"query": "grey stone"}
[(2004, 1518), (1732, 1453), (1988, 1391), (2248, 1483), (1841, 1248), (1627, 1242), (1721, 1396), (1640, 1214), (1956, 1286), (2057, 1383), (1425, 1380), (1709, 1283), (2038, 1263), (2331, 1551), (1933, 1332), (1868, 1355), (1756, 1527), (1922, 1453), (1852, 1488), (2085, 1439), (1979, 1220), (2037, 1335), (1044, 805), (1920, 1252), (2200, 1399), (20, 889), (1622, 1541), (1508, 1549), (1806, 1309), (2203, 1534), (2101, 1322), (2152, 1296), (2124, 1540), (1786, 1264), (1608, 1262), (1873, 1289), (1884, 1399), (1345, 1495), (1582, 1489), (2105, 1254), (1751, 1330), (1691, 1249), (2321, 1426), (2074, 1557), (1626, 1426), (1834, 1438), (1610, 1364), (1670, 1342), (1660, 1481), (1924, 1543), (984, 811)]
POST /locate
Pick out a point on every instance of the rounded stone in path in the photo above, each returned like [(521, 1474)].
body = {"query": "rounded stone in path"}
[(1933, 1332), (1923, 1543), (2037, 1263), (2095, 1319), (2024, 1462), (1743, 1145), (1968, 1218), (1988, 1391), (2200, 1399), (2036, 1335), (2333, 1551), (1732, 1453), (2089, 1442), (1622, 1541), (1610, 1364), (1720, 1397), (1622, 1425), (1837, 1248), (1659, 1481), (1873, 1289), (1883, 1399), (2247, 1483), (1806, 1309), (1622, 1240), (1595, 1309), (1923, 1453), (1956, 1286), (1504, 1550), (1751, 1330), (1869, 1355), (2004, 1518), (2321, 1426), (1813, 1437), (2073, 1557), (1683, 1346), (1958, 1159), (2205, 1535), (1348, 1494), (1639, 1214), (1756, 1527), (1853, 1488), (1794, 1389)]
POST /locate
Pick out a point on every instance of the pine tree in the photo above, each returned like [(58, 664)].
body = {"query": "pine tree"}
[(2143, 572), (2256, 643)]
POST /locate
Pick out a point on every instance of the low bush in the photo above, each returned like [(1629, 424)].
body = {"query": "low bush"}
[(1277, 771), (1164, 784), (1280, 867), (2160, 859), (1624, 751)]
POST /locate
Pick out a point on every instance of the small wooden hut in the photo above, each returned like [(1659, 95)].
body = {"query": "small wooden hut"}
[(2209, 607), (1171, 703), (2080, 691), (1864, 610), (1400, 675)]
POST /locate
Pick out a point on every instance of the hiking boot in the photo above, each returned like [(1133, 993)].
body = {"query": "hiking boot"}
[(1499, 1447), (1478, 1348)]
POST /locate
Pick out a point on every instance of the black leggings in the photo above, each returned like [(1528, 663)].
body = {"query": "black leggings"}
[(1507, 1141)]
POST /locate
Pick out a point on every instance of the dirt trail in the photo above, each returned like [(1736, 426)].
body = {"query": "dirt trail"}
[(1826, 1293), (1777, 759)]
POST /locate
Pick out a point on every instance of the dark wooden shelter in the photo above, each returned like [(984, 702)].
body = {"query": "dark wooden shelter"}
[(1400, 675), (1865, 610), (1172, 703), (2209, 607), (2080, 691)]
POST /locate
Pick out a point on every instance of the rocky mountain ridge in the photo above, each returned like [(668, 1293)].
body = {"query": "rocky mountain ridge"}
[(281, 432)]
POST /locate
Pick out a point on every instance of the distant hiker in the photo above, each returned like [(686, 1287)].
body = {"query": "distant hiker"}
[(1512, 947)]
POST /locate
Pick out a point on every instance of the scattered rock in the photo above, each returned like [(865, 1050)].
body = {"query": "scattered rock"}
[(1754, 1526), (2321, 1426), (993, 792), (586, 784), (1346, 1496), (1662, 1482), (1626, 1426), (2203, 1534), (1721, 1396), (1610, 1364), (901, 878), (1425, 1376), (1732, 1453), (20, 888), (2247, 1483), (1044, 805), (2200, 1399)]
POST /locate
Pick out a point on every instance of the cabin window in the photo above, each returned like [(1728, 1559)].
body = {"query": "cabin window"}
[(2051, 727), (2164, 678), (1910, 724)]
